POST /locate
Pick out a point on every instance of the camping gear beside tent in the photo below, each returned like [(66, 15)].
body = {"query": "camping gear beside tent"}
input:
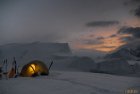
[(11, 74), (34, 68), (4, 71)]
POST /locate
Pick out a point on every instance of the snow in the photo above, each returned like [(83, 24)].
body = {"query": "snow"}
[(114, 66), (69, 73), (125, 60), (65, 60), (130, 51), (60, 53), (74, 63), (30, 51), (61, 82), (133, 62)]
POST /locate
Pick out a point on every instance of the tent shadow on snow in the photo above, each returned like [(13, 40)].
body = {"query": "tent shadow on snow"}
[(34, 68)]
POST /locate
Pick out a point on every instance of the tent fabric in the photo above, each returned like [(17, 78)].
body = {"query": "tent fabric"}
[(34, 68)]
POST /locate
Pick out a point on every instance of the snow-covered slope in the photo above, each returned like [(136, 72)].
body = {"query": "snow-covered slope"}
[(70, 83)]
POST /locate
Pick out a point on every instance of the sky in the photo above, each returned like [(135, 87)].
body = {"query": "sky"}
[(93, 25)]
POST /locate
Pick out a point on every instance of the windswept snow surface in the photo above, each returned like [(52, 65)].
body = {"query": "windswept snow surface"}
[(60, 82)]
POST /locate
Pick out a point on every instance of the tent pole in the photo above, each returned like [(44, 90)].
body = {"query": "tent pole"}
[(50, 65), (32, 68)]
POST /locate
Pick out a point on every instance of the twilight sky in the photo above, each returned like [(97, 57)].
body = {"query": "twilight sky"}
[(101, 25)]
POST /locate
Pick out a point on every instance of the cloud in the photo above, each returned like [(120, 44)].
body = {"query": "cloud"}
[(91, 42), (100, 38), (95, 41), (127, 39), (135, 0), (101, 23), (92, 35), (107, 47), (135, 31), (135, 6), (137, 12), (114, 35), (131, 2)]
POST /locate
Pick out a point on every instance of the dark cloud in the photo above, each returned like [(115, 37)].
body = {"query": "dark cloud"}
[(101, 23), (114, 35), (92, 35), (137, 12), (131, 2), (91, 42), (94, 41), (135, 31), (100, 38), (108, 47), (135, 6), (127, 39), (135, 0)]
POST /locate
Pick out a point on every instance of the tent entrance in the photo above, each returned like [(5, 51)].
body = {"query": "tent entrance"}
[(32, 68)]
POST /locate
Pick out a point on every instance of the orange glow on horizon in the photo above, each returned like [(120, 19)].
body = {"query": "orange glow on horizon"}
[(107, 45), (132, 22)]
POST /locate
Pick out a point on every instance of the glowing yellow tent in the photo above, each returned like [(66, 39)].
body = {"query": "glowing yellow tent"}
[(34, 68)]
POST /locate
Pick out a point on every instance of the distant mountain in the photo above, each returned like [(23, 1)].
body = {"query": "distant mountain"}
[(124, 61), (129, 51), (74, 63), (114, 66), (90, 53), (32, 49), (60, 53)]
